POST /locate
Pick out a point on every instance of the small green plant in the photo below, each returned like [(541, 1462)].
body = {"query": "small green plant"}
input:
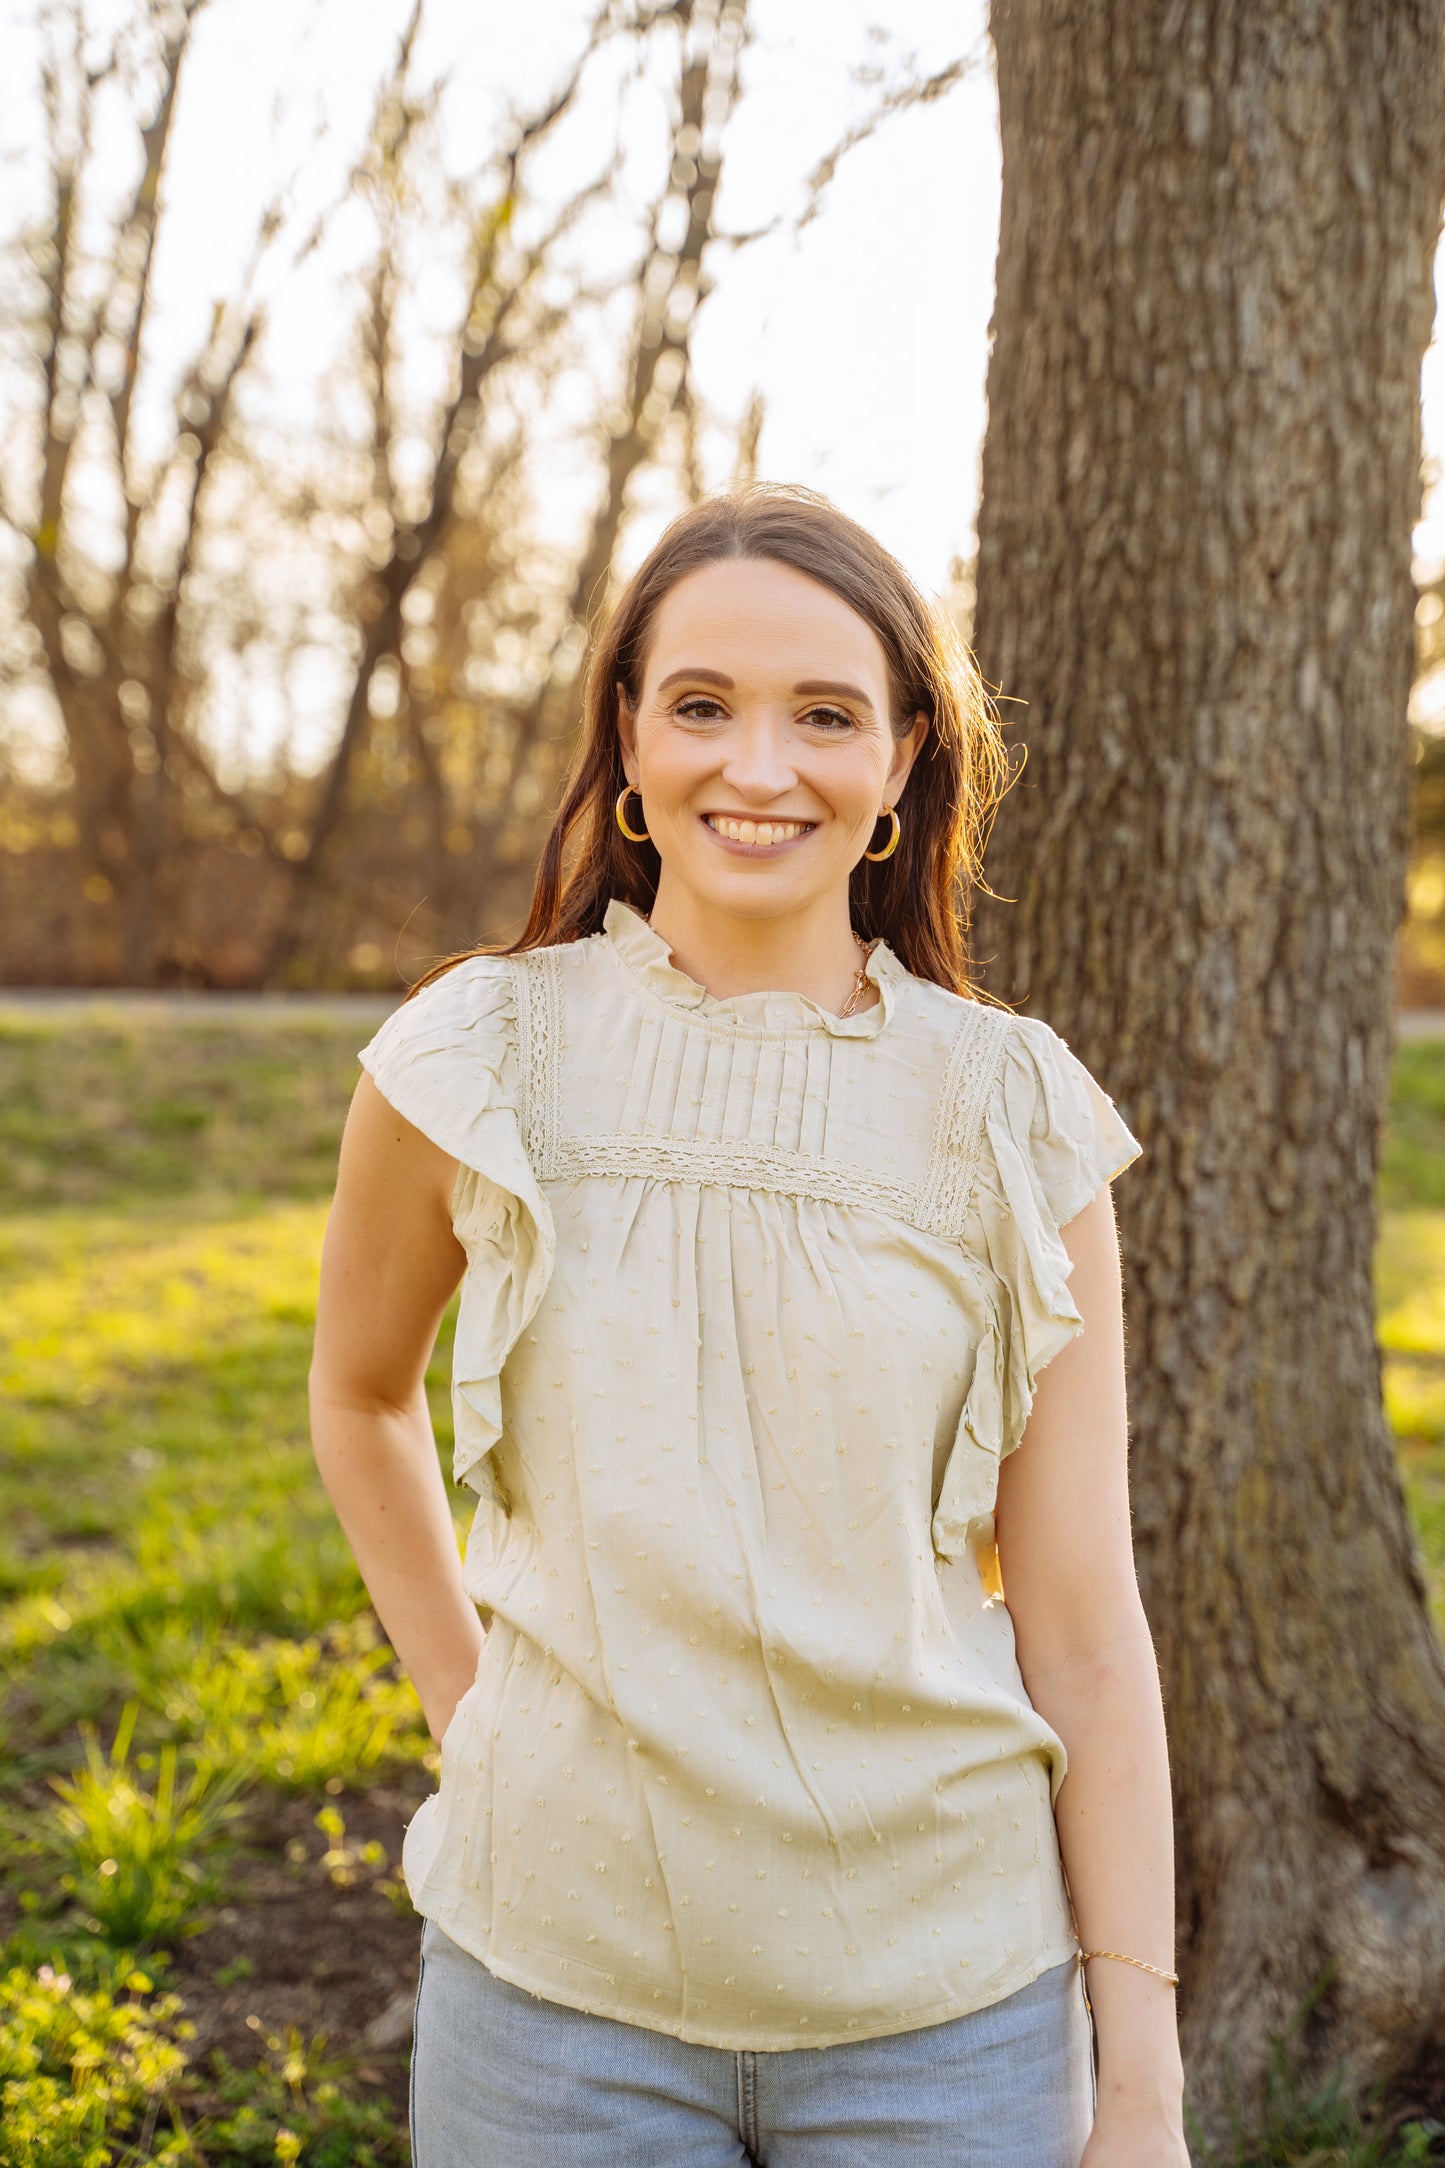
[(347, 1863), (290, 2112), (82, 2069), (301, 1715), (344, 1863), (134, 1859)]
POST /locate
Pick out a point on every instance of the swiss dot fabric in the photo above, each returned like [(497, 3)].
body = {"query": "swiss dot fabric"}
[(756, 1299)]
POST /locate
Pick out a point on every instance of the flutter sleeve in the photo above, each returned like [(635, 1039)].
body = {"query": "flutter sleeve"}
[(447, 1060), (1052, 1137)]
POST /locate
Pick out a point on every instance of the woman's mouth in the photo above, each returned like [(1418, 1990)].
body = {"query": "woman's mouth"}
[(756, 834)]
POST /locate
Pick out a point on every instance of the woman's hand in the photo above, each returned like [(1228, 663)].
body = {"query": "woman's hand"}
[(1143, 2137), (445, 1695)]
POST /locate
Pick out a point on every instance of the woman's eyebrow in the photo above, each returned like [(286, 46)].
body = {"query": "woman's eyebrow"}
[(705, 677), (838, 691)]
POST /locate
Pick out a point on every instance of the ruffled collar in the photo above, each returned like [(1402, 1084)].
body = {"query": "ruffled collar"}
[(642, 949)]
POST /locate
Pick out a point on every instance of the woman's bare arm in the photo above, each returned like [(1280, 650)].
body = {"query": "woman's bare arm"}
[(389, 1265), (1087, 1658)]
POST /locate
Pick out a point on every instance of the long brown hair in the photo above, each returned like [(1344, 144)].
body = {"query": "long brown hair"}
[(918, 899)]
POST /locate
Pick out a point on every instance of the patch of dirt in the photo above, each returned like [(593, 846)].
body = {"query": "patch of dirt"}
[(323, 1959)]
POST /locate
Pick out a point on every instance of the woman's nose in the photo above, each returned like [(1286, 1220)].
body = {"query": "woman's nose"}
[(759, 763)]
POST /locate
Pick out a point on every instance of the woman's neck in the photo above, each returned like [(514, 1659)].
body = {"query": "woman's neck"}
[(813, 952)]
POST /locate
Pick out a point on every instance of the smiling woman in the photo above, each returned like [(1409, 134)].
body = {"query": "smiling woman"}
[(758, 1213), (761, 795), (772, 660)]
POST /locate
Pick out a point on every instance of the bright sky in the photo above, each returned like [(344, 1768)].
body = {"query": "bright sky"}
[(868, 336)]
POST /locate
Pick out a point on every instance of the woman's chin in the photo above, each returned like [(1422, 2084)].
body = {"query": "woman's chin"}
[(747, 888)]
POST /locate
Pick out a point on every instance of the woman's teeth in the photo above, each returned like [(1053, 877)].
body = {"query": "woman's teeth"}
[(764, 832)]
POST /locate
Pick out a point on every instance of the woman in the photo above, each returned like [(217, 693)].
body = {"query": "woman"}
[(752, 1822)]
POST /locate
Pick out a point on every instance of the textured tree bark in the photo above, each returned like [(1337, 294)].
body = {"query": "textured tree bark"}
[(1200, 477)]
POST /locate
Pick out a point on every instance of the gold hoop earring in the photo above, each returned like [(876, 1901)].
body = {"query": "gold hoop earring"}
[(892, 844), (630, 833)]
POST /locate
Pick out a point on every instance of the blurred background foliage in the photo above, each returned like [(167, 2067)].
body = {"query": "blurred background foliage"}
[(396, 549), (1422, 943)]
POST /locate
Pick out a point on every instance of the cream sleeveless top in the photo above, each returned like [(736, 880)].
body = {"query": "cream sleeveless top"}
[(755, 1301)]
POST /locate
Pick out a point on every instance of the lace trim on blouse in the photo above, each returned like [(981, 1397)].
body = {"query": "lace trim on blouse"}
[(937, 1204)]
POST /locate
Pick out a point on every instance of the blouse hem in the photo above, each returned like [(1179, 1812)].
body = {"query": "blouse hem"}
[(764, 2042)]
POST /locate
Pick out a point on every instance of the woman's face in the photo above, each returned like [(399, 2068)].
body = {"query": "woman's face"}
[(761, 741)]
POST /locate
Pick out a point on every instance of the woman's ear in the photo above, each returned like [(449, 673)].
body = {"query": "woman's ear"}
[(905, 752), (627, 734)]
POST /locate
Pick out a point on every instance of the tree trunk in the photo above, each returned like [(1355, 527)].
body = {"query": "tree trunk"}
[(1200, 478)]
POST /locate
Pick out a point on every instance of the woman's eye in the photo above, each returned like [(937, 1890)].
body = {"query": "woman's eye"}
[(700, 708)]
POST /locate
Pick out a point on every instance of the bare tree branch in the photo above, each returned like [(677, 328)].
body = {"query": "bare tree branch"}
[(125, 320), (61, 404), (496, 294), (901, 97), (670, 286)]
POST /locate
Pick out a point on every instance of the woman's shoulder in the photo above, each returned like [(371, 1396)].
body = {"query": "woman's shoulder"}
[(483, 990), (1009, 1093), (474, 1033), (1054, 1129), (987, 1037), (472, 980), (959, 1030), (452, 1038)]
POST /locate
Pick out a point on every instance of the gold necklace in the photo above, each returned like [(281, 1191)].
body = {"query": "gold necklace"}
[(860, 983)]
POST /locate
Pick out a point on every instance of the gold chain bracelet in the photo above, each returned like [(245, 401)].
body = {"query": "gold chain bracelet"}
[(1171, 1977)]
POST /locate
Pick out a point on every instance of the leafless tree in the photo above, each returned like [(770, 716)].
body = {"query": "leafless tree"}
[(458, 632), (104, 597)]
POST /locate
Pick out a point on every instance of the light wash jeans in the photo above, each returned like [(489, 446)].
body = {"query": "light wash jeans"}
[(501, 2078)]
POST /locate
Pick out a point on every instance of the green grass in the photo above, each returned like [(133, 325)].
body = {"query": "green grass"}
[(1410, 1295), (1412, 1170), (136, 1855), (114, 1114), (182, 1630)]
